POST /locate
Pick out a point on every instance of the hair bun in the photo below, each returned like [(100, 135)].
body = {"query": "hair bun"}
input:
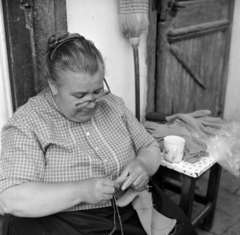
[(57, 38), (60, 38)]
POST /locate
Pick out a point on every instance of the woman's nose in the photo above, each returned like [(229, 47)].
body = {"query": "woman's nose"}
[(89, 97), (91, 105)]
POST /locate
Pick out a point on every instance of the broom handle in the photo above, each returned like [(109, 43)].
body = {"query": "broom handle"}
[(137, 82)]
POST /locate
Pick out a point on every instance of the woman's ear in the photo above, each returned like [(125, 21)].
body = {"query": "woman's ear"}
[(53, 88)]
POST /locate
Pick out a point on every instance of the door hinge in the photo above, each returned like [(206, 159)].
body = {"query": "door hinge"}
[(173, 7), (168, 7)]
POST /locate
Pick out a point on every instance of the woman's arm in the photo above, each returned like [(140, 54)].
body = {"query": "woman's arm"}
[(35, 199), (151, 158), (24, 160), (136, 174)]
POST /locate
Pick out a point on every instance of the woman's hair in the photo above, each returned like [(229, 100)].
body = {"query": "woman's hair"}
[(66, 51)]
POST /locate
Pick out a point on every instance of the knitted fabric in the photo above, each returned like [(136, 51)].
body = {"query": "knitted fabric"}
[(152, 221)]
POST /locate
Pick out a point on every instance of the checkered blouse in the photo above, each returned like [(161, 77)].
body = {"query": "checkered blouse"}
[(39, 144)]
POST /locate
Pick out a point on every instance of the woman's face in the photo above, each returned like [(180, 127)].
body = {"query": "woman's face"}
[(78, 88)]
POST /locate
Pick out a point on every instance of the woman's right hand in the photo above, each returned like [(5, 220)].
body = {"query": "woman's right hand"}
[(98, 190)]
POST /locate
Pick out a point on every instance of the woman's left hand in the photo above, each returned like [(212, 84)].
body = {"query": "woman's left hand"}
[(134, 175)]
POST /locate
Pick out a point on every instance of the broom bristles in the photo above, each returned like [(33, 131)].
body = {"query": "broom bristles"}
[(133, 17)]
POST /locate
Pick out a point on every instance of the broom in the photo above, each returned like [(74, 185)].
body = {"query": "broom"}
[(134, 20)]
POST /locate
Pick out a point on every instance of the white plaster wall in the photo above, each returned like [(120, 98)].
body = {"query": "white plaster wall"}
[(5, 93), (99, 21), (232, 102)]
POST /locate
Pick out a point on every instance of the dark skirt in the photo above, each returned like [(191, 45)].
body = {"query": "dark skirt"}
[(100, 221)]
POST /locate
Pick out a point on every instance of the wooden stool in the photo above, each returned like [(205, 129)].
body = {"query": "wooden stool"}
[(188, 174)]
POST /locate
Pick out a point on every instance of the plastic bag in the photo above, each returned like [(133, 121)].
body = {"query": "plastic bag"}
[(225, 147)]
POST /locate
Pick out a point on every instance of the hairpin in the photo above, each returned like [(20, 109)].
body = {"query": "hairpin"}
[(61, 41)]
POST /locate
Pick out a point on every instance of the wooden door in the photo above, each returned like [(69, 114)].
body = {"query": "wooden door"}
[(28, 24), (188, 52)]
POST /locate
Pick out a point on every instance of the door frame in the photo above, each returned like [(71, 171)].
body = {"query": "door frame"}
[(27, 29)]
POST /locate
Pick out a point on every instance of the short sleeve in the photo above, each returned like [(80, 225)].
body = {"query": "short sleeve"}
[(140, 137), (22, 159)]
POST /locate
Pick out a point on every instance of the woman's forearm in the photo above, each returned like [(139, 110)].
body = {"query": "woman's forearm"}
[(35, 199), (151, 158)]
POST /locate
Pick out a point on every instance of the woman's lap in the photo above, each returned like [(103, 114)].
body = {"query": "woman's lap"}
[(101, 221), (95, 221)]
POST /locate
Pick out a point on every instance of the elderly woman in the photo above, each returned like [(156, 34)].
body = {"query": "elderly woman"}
[(70, 152)]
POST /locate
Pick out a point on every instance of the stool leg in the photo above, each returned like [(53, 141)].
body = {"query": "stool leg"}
[(159, 179), (187, 194), (212, 193)]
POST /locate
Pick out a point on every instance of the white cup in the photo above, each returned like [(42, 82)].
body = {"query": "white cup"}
[(173, 148)]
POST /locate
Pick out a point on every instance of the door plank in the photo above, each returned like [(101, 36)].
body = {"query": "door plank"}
[(228, 34), (198, 12), (197, 30), (43, 28), (184, 61), (151, 55)]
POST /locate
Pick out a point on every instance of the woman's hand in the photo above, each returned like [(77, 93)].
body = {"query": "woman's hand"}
[(98, 190), (134, 175)]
